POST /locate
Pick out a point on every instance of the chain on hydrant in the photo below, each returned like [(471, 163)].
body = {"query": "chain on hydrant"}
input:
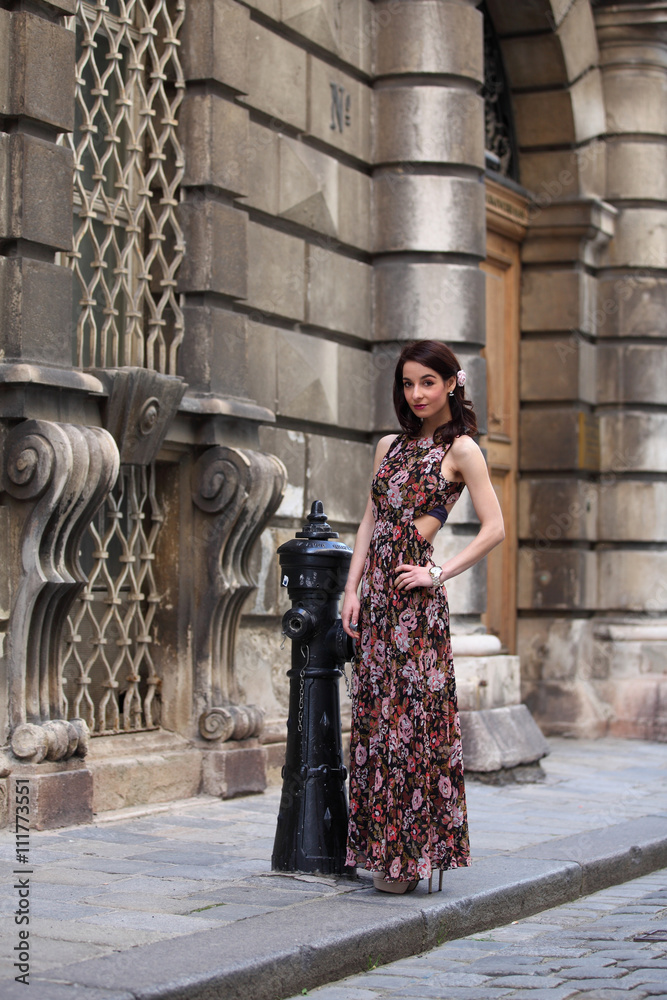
[(312, 823)]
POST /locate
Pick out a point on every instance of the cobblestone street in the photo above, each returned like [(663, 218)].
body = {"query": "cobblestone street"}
[(608, 946)]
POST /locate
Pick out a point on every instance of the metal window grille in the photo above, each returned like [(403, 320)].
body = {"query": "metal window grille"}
[(127, 248), (127, 244), (108, 673)]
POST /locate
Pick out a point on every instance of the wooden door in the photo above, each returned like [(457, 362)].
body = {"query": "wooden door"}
[(506, 226)]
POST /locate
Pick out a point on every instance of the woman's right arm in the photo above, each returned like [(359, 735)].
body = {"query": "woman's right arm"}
[(351, 604)]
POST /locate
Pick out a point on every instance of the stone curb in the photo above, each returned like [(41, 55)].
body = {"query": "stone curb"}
[(268, 958)]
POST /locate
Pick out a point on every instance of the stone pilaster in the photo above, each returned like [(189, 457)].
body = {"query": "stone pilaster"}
[(560, 462), (629, 643)]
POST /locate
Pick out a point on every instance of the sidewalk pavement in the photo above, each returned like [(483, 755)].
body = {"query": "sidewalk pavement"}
[(179, 901)]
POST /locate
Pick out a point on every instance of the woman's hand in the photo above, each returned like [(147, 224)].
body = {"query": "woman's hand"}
[(408, 577), (350, 614)]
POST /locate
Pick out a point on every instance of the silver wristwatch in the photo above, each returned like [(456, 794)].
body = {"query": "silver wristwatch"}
[(435, 572)]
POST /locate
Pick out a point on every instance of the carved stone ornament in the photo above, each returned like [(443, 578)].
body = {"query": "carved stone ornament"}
[(141, 405), (231, 722), (235, 492), (56, 477), (57, 740)]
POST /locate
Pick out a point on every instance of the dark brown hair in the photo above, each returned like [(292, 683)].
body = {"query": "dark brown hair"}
[(437, 356)]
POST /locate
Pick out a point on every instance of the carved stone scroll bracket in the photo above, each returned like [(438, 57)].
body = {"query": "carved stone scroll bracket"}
[(231, 722), (56, 740), (141, 406), (235, 492), (56, 477)]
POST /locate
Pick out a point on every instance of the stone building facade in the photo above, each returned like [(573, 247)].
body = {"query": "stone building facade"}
[(219, 221)]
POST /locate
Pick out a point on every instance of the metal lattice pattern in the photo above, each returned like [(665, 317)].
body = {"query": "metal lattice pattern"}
[(108, 673), (128, 166)]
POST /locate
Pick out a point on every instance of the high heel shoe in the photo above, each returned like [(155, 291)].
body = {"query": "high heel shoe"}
[(430, 882), (395, 886)]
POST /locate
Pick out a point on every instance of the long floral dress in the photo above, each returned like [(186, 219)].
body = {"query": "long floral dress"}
[(407, 796)]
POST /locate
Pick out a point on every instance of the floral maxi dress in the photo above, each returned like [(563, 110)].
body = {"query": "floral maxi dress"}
[(407, 796)]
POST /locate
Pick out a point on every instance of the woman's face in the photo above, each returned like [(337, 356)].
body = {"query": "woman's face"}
[(426, 392)]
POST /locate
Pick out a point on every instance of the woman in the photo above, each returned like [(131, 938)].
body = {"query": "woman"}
[(407, 796)]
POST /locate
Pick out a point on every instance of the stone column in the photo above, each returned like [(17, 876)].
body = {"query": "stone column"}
[(429, 237), (630, 630)]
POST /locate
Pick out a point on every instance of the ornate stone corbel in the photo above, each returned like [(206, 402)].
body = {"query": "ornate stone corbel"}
[(235, 492), (140, 407), (56, 476)]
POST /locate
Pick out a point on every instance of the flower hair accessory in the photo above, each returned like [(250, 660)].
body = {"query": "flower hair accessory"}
[(460, 377)]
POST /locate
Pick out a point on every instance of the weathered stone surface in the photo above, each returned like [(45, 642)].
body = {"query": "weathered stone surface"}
[(290, 447), (632, 373), (36, 191), (633, 581), (307, 377), (228, 773), (343, 29), (276, 77), (342, 120), (484, 682), (213, 355), (549, 439), (332, 461), (558, 300), (215, 136), (217, 254), (276, 273), (428, 301), (558, 370), (429, 125), (262, 384), (631, 305), (636, 707), (434, 36), (145, 777), (339, 292), (287, 178), (632, 511), (555, 59), (557, 578), (354, 207), (636, 169), (561, 174), (495, 738), (36, 70), (59, 797), (428, 213), (308, 187), (527, 15), (554, 509), (640, 239), (634, 99), (554, 118), (270, 599), (214, 43), (36, 306), (572, 232), (633, 442), (262, 667), (4, 803)]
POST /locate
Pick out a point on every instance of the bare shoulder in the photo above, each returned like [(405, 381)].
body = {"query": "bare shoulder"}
[(466, 456)]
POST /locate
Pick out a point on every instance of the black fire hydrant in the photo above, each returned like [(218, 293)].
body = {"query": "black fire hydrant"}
[(312, 821)]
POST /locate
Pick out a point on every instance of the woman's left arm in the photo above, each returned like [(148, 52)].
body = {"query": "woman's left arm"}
[(475, 474), (473, 471)]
